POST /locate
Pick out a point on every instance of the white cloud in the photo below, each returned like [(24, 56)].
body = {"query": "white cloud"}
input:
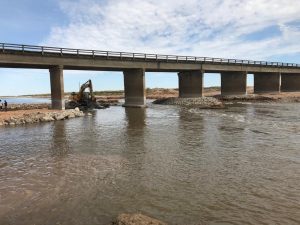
[(191, 27)]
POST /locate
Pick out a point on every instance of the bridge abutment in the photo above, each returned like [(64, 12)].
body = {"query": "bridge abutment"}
[(233, 83), (190, 84), (57, 87), (290, 82), (267, 82), (134, 88)]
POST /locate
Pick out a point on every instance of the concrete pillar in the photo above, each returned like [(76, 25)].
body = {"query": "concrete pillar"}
[(134, 88), (233, 83), (290, 82), (190, 84), (57, 87), (266, 82)]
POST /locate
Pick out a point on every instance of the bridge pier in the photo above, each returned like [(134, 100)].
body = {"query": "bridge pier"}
[(268, 82), (233, 83), (134, 88), (57, 87), (190, 84), (290, 82)]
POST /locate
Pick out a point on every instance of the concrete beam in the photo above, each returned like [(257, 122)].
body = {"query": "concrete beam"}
[(290, 82), (233, 83), (57, 87), (134, 88), (38, 61), (190, 84), (266, 83)]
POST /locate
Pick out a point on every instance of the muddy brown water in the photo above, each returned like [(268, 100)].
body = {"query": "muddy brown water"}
[(239, 165)]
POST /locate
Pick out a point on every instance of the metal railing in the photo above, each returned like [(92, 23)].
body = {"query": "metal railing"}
[(45, 50)]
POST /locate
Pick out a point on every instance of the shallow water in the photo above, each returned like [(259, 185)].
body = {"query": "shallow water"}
[(26, 100), (240, 165)]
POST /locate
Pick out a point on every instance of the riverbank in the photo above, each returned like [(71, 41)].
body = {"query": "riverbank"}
[(28, 106), (40, 112), (19, 117), (275, 97), (113, 97)]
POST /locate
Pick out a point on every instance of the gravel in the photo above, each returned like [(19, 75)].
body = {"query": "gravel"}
[(203, 102)]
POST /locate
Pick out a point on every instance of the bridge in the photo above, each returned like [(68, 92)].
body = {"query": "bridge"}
[(269, 77)]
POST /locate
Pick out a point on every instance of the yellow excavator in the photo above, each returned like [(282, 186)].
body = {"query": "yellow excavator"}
[(82, 97), (84, 100)]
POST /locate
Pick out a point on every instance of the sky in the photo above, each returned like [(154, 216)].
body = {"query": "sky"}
[(244, 29)]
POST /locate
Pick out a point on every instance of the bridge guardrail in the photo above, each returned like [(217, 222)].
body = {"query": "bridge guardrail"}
[(43, 50)]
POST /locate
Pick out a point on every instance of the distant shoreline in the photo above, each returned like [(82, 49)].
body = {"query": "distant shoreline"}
[(108, 93), (163, 93)]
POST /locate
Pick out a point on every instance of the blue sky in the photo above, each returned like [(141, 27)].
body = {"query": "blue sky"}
[(246, 29)]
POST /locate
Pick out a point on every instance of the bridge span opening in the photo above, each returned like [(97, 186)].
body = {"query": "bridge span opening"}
[(269, 77)]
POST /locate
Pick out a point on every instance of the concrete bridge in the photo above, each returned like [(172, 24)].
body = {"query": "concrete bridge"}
[(268, 76)]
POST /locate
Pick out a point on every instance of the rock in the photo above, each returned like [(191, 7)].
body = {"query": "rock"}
[(89, 114), (42, 117), (137, 219), (28, 120), (59, 117), (71, 115), (202, 102), (77, 109), (79, 114), (47, 118)]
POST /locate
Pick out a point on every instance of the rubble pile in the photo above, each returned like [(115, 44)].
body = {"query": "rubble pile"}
[(37, 117), (202, 102)]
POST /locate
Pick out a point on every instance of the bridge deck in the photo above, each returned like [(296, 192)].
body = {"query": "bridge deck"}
[(30, 56)]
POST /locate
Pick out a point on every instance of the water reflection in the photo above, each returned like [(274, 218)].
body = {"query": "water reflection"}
[(60, 141), (135, 118)]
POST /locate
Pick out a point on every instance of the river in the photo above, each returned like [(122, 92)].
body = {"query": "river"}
[(25, 100), (239, 165)]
